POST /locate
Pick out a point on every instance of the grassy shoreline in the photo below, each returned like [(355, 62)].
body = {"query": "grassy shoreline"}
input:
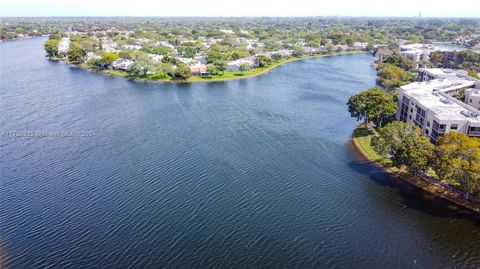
[(361, 139), (223, 77)]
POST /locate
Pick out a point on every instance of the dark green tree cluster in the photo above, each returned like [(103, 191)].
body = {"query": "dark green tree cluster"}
[(373, 105), (391, 76), (160, 50), (51, 47), (399, 61), (405, 145), (467, 60), (455, 159)]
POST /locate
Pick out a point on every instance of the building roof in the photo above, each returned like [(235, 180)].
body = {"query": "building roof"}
[(446, 73), (246, 61), (416, 46), (473, 92), (432, 95)]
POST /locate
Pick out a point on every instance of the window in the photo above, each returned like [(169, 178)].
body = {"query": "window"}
[(474, 130), (454, 126), (404, 109), (420, 118), (428, 123)]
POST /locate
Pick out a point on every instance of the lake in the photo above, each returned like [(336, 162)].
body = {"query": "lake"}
[(100, 171)]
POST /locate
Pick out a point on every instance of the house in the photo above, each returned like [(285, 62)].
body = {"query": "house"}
[(188, 61), (64, 45), (200, 58), (199, 70), (226, 31), (91, 56), (109, 45), (164, 44), (132, 47), (416, 52), (430, 103), (234, 66), (155, 57), (285, 53), (122, 64), (360, 45)]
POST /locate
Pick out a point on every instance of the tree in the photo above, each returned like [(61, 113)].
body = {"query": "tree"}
[(109, 57), (160, 50), (51, 47), (297, 51), (372, 105), (458, 161), (399, 61), (125, 54), (212, 69), (183, 72), (76, 55), (164, 68), (238, 53), (243, 68), (404, 144), (169, 59), (263, 60), (221, 65), (141, 67), (391, 137), (436, 58), (276, 56), (84, 42), (391, 76), (415, 152)]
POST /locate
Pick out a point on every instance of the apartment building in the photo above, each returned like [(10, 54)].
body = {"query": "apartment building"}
[(430, 103)]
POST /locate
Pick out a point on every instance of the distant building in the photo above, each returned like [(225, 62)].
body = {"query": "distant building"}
[(122, 64), (199, 70), (472, 98), (234, 66), (64, 45), (360, 45), (91, 56), (430, 104), (155, 57), (132, 47), (109, 45), (226, 31), (416, 52)]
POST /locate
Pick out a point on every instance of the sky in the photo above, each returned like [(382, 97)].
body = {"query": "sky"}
[(227, 8)]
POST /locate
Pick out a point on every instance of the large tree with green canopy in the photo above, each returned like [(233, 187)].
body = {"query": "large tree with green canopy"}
[(51, 47), (458, 161), (373, 105)]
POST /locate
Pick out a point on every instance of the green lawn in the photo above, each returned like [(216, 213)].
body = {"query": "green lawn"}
[(116, 73), (364, 139)]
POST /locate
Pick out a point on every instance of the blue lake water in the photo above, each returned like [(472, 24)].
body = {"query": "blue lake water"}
[(253, 173)]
